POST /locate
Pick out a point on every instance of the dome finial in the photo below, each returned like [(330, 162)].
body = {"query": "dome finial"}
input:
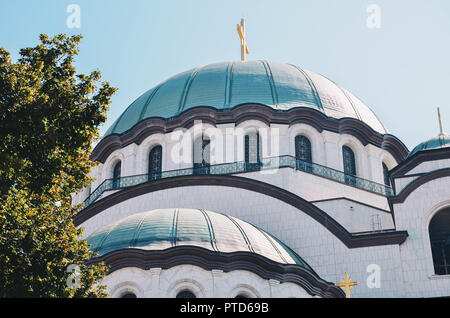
[(241, 32), (441, 134)]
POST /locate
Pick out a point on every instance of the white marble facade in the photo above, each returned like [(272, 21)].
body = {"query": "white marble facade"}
[(406, 270)]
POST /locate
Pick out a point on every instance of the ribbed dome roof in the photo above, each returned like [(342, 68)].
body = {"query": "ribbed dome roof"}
[(165, 228), (441, 141), (226, 85)]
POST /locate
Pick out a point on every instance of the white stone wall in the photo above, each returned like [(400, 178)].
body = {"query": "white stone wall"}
[(416, 172), (327, 255), (401, 183), (428, 166), (167, 283), (357, 217), (414, 215)]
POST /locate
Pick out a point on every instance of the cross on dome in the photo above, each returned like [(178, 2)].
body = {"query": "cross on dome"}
[(244, 46)]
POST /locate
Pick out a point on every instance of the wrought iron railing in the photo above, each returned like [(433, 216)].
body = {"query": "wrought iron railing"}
[(242, 167)]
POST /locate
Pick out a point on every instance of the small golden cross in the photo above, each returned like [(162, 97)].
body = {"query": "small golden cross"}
[(241, 32), (441, 134), (347, 284)]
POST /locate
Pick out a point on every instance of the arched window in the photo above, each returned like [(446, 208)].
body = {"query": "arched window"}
[(155, 163), (303, 154), (252, 151), (439, 230), (241, 295), (186, 293), (348, 158), (201, 155), (386, 175), (116, 175), (128, 295)]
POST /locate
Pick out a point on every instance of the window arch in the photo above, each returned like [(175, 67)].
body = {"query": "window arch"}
[(186, 293), (303, 154), (201, 155), (386, 175), (439, 230), (155, 163), (128, 295), (252, 151), (348, 158), (116, 174)]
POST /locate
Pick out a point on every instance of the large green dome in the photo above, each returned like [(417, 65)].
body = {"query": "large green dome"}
[(166, 228), (227, 85)]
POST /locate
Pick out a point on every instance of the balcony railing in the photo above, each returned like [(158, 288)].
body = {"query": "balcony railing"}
[(242, 167)]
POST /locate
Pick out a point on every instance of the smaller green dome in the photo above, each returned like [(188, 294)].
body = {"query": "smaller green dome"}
[(166, 228), (441, 141)]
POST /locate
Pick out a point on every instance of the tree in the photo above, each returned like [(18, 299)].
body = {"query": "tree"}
[(49, 117)]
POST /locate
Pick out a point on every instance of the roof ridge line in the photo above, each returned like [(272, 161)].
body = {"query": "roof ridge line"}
[(137, 232), (273, 245), (247, 241), (229, 84), (174, 228), (349, 100), (187, 85), (210, 229), (113, 226), (149, 99), (312, 86), (269, 74)]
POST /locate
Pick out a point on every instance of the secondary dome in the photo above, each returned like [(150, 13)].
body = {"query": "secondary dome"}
[(229, 84), (441, 141), (165, 228)]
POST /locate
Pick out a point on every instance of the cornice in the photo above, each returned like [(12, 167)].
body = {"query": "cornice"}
[(318, 120), (418, 158), (211, 260), (351, 241), (416, 183)]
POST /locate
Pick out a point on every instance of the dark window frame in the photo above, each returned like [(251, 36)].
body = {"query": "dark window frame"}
[(117, 172), (303, 153), (349, 164), (155, 163), (439, 233), (252, 151)]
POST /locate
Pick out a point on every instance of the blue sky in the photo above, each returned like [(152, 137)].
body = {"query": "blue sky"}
[(401, 71)]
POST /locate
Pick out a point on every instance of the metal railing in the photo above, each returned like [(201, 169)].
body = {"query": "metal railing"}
[(242, 167)]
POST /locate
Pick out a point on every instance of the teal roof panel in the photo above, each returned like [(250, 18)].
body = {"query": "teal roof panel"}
[(229, 84), (166, 228)]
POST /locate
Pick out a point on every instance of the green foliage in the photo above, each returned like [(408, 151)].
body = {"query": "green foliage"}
[(49, 117)]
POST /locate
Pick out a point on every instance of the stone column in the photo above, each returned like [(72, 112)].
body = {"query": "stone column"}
[(154, 291), (218, 290), (332, 152), (129, 164), (273, 285)]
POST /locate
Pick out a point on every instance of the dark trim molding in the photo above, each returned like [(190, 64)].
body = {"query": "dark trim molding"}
[(351, 241), (351, 200), (417, 159), (209, 260), (238, 114), (416, 183)]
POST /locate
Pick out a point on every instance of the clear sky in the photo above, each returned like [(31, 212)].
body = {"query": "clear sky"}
[(401, 70)]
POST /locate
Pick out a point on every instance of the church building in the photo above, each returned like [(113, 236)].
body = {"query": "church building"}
[(255, 178)]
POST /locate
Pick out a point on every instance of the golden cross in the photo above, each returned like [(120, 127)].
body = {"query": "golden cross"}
[(347, 284), (441, 134), (241, 32)]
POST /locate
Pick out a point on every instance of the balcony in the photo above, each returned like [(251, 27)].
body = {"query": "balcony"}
[(243, 167)]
